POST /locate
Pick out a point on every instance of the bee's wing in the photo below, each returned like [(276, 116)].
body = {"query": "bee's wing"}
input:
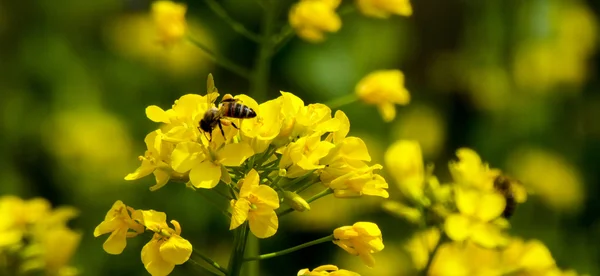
[(211, 91)]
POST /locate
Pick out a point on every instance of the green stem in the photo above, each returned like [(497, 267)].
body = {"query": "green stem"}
[(297, 180), (443, 238), (221, 60), (283, 38), (253, 249), (307, 185), (212, 202), (209, 261), (239, 246), (290, 250), (313, 198), (236, 26), (204, 270), (262, 67), (336, 103)]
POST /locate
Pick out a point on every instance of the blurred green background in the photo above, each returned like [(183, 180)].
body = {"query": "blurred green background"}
[(515, 80)]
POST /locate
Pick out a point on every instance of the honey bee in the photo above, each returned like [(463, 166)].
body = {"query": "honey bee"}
[(513, 192), (229, 107)]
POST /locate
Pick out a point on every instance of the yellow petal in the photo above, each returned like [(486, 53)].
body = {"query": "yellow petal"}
[(263, 224), (153, 261), (157, 114), (107, 226), (162, 178), (368, 260), (145, 169), (458, 227), (491, 206), (355, 148), (176, 250), (487, 235), (467, 200), (233, 155), (267, 196), (205, 175), (536, 255), (154, 220), (116, 242), (185, 155), (250, 183), (10, 237), (239, 214), (339, 135), (387, 111)]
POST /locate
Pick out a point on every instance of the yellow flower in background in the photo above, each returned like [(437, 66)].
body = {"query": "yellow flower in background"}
[(117, 222), (527, 257), (311, 18), (424, 124), (166, 248), (60, 244), (474, 222), (169, 18), (155, 160), (404, 161), (361, 239), (384, 8), (257, 204), (133, 37), (206, 166), (346, 148), (549, 176), (384, 88), (465, 259), (326, 270), (400, 210), (470, 171), (421, 245)]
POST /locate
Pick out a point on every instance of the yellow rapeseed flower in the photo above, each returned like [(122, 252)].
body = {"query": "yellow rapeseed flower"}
[(421, 245), (384, 8), (60, 244), (326, 270), (470, 171), (477, 209), (404, 161), (465, 259), (304, 155), (384, 88), (166, 248), (257, 204), (155, 160), (206, 166), (360, 182), (311, 18), (118, 221), (169, 18), (262, 129), (362, 239)]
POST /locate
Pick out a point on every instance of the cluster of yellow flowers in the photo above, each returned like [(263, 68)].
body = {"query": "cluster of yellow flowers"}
[(311, 18), (254, 163), (165, 249), (34, 238), (463, 223)]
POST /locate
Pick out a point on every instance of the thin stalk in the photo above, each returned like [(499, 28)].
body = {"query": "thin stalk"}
[(336, 103), (443, 238), (213, 203), (236, 26), (221, 60), (307, 185), (283, 38), (297, 180), (290, 250), (239, 246), (200, 267), (262, 67), (209, 261)]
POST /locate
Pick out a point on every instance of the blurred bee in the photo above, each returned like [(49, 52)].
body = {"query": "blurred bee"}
[(227, 108), (513, 192)]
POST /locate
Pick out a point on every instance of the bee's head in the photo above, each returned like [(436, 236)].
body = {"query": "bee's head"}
[(205, 125)]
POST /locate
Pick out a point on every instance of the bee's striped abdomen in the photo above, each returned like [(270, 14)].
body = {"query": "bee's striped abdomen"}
[(240, 111)]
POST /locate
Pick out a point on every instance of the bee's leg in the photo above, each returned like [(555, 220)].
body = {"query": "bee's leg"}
[(228, 98), (233, 124), (221, 128)]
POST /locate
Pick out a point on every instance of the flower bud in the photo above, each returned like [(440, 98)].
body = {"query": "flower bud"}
[(296, 201)]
